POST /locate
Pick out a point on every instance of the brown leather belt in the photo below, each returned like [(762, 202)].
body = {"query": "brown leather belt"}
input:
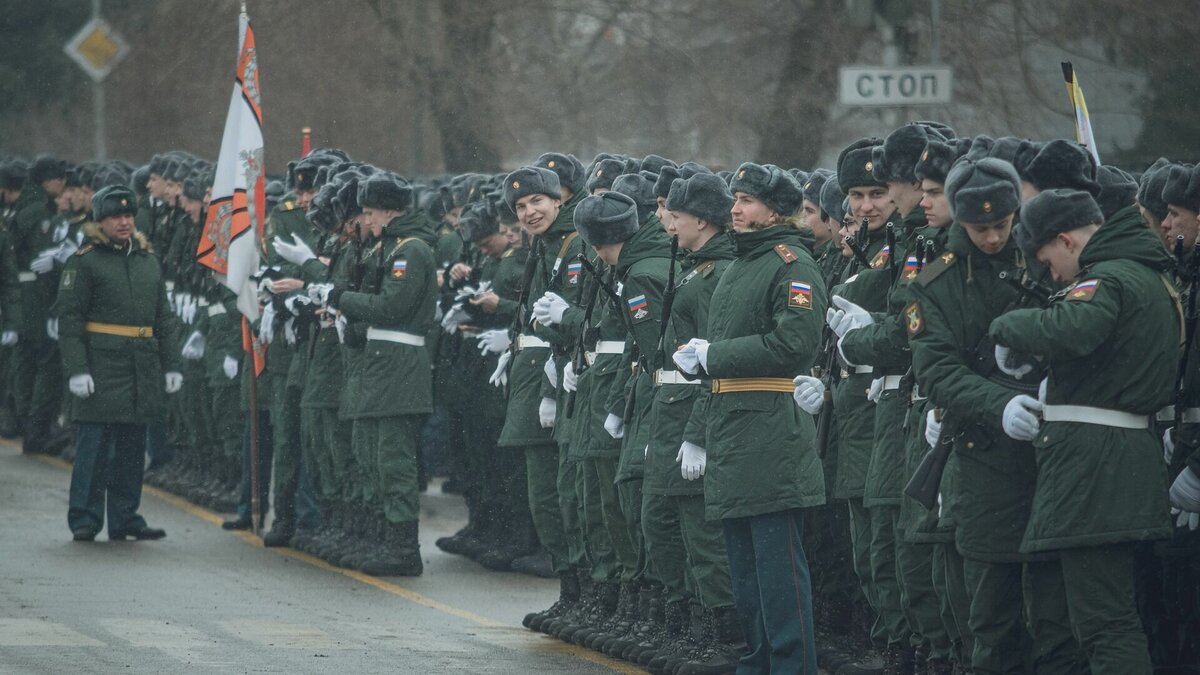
[(740, 384), (119, 330)]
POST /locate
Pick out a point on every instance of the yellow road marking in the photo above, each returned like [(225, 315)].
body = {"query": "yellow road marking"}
[(541, 642)]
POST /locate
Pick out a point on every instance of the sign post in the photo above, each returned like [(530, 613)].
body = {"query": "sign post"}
[(902, 86), (97, 48)]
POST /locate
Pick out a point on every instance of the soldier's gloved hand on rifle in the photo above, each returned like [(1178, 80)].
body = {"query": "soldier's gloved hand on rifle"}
[(289, 331), (230, 365), (546, 413), (319, 293), (1186, 518), (8, 338), (692, 357), (52, 329), (1020, 418), (1185, 491), (1007, 361), (174, 382), (847, 316), (549, 309), (551, 370), (81, 386), (193, 348), (692, 459), (189, 310), (266, 325), (809, 393), (494, 341), (297, 252), (876, 390), (570, 379), (615, 426), (1168, 445), (933, 429), (339, 324), (499, 376), (44, 262), (297, 304), (455, 316)]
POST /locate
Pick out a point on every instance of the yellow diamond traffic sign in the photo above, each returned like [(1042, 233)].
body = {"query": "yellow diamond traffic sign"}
[(96, 48)]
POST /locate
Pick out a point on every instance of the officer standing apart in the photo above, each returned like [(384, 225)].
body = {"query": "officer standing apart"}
[(117, 336)]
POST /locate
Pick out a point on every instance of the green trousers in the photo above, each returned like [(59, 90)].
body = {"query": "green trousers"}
[(914, 568), (393, 453), (1099, 586), (954, 604), (610, 548), (827, 545), (286, 437), (889, 603), (228, 425), (685, 551), (542, 475), (860, 543)]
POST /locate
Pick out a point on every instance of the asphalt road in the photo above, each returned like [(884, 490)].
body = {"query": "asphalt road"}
[(205, 600)]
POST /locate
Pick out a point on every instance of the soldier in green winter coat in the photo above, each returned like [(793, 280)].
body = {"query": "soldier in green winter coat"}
[(117, 337), (761, 465), (680, 541), (535, 195), (1110, 341), (955, 298), (391, 394)]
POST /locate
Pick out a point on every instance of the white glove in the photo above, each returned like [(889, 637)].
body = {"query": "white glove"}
[(266, 324), (546, 413), (1185, 492), (1020, 419), (8, 338), (189, 310), (455, 316), (65, 250), (296, 252), (494, 341), (52, 328), (847, 316), (809, 393), (499, 376), (293, 304), (692, 460), (876, 390), (570, 379), (231, 367), (174, 382), (289, 331), (551, 370), (44, 262), (1168, 446), (692, 357), (181, 299), (81, 385), (193, 349), (549, 309), (615, 426), (340, 324), (466, 292), (933, 429), (1006, 363), (319, 293), (1186, 518)]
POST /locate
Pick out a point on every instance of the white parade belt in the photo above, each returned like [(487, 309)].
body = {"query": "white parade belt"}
[(604, 347), (395, 336), (891, 382), (528, 341), (1189, 416), (216, 310), (1090, 415), (26, 276), (671, 377)]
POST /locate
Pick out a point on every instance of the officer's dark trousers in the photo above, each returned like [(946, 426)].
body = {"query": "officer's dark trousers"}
[(772, 592), (265, 453), (108, 463), (1104, 618)]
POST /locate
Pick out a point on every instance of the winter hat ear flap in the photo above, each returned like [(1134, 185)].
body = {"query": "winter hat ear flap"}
[(983, 191), (1150, 189), (1182, 187), (607, 218), (1052, 212), (1117, 189), (705, 196)]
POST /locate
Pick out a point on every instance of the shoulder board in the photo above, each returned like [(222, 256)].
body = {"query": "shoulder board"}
[(786, 253), (400, 243), (83, 250), (509, 253), (706, 268), (287, 205), (934, 269)]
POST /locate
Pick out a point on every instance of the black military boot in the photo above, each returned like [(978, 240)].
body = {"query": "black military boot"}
[(364, 528), (536, 564), (689, 643), (37, 434), (570, 621), (725, 645), (647, 634), (669, 634), (868, 664), (329, 539), (619, 621), (400, 554), (568, 595), (284, 526), (639, 618), (602, 611)]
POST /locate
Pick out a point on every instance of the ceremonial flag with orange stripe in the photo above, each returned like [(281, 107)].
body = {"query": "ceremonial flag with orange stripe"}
[(1083, 123), (232, 239)]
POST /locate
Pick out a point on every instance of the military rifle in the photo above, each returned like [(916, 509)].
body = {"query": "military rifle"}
[(668, 301), (591, 293), (890, 242), (519, 316)]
